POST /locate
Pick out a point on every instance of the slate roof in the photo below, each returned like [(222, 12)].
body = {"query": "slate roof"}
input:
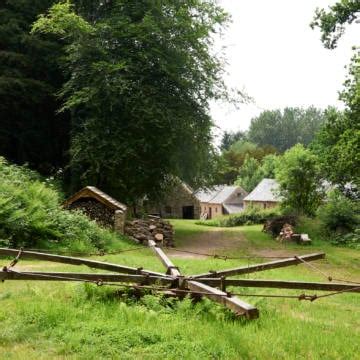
[(216, 195), (233, 208), (265, 191)]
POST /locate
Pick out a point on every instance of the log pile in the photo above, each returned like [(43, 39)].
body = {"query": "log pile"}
[(275, 225), (95, 210), (152, 228), (283, 229)]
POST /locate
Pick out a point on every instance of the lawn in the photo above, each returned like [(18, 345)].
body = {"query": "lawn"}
[(75, 321)]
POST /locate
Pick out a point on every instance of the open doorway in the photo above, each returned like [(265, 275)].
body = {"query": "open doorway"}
[(188, 212)]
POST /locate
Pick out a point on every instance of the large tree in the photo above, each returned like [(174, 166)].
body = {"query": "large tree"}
[(338, 143), (141, 75), (299, 180), (31, 131), (284, 129)]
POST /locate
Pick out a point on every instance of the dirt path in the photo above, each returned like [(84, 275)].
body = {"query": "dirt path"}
[(212, 242), (220, 241)]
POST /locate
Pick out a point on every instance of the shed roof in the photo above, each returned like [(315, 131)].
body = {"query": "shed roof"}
[(95, 193), (266, 190), (233, 208), (216, 195)]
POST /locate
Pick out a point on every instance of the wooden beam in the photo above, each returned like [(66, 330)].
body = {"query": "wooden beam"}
[(280, 284), (78, 261), (261, 267), (170, 267), (238, 306), (69, 276)]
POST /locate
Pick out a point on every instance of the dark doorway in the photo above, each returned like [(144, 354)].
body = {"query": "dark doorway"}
[(210, 213), (188, 212)]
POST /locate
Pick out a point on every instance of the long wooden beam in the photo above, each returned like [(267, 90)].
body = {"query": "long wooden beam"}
[(171, 269), (78, 261), (261, 267), (281, 284), (238, 306), (69, 276)]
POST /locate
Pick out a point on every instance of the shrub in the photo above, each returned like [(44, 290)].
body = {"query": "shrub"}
[(251, 215), (339, 214), (351, 239), (30, 215)]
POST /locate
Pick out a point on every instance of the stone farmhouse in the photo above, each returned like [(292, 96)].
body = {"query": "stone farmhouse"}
[(182, 202), (220, 200), (264, 195)]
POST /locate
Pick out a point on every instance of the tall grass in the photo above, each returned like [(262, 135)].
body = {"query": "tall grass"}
[(31, 216)]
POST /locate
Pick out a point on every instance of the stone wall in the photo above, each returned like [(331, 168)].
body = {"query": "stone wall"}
[(261, 204), (179, 202)]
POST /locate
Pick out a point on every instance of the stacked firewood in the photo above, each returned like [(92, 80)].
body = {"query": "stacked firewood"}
[(152, 228), (275, 225), (95, 211)]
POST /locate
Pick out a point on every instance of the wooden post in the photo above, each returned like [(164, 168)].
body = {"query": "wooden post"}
[(171, 268), (77, 261), (238, 306), (261, 267)]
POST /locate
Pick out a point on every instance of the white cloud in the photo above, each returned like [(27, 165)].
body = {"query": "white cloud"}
[(274, 54)]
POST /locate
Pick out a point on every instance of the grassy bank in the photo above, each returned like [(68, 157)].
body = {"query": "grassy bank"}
[(75, 321)]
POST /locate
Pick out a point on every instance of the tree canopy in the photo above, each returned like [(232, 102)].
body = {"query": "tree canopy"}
[(284, 129), (338, 142), (30, 77), (141, 76)]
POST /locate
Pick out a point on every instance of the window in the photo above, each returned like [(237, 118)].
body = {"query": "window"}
[(168, 209), (216, 209)]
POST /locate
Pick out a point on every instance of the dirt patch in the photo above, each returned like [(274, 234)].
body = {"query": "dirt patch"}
[(215, 241), (223, 241)]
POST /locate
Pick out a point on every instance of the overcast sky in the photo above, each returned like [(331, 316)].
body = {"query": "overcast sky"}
[(274, 55)]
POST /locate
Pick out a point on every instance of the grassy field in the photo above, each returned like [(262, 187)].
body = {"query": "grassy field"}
[(76, 321)]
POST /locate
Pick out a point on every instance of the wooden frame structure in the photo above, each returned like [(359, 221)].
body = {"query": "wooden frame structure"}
[(211, 285)]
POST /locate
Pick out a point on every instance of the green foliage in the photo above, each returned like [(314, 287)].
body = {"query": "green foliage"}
[(250, 174), (251, 215), (299, 180), (230, 138), (284, 129), (30, 77), (337, 144), (31, 216), (338, 150), (231, 161), (332, 22), (339, 214), (140, 81), (351, 239), (253, 171)]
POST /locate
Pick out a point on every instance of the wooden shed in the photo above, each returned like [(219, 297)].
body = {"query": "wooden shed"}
[(99, 206)]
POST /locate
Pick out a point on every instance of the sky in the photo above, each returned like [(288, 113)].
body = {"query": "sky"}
[(275, 56)]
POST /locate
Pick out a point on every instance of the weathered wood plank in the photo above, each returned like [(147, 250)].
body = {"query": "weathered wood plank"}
[(238, 306), (171, 268), (261, 267), (70, 276), (281, 284), (77, 261)]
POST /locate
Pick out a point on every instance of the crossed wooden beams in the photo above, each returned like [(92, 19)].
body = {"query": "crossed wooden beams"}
[(211, 285)]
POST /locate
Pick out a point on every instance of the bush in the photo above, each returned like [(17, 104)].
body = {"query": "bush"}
[(351, 239), (251, 215), (339, 214), (31, 215)]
